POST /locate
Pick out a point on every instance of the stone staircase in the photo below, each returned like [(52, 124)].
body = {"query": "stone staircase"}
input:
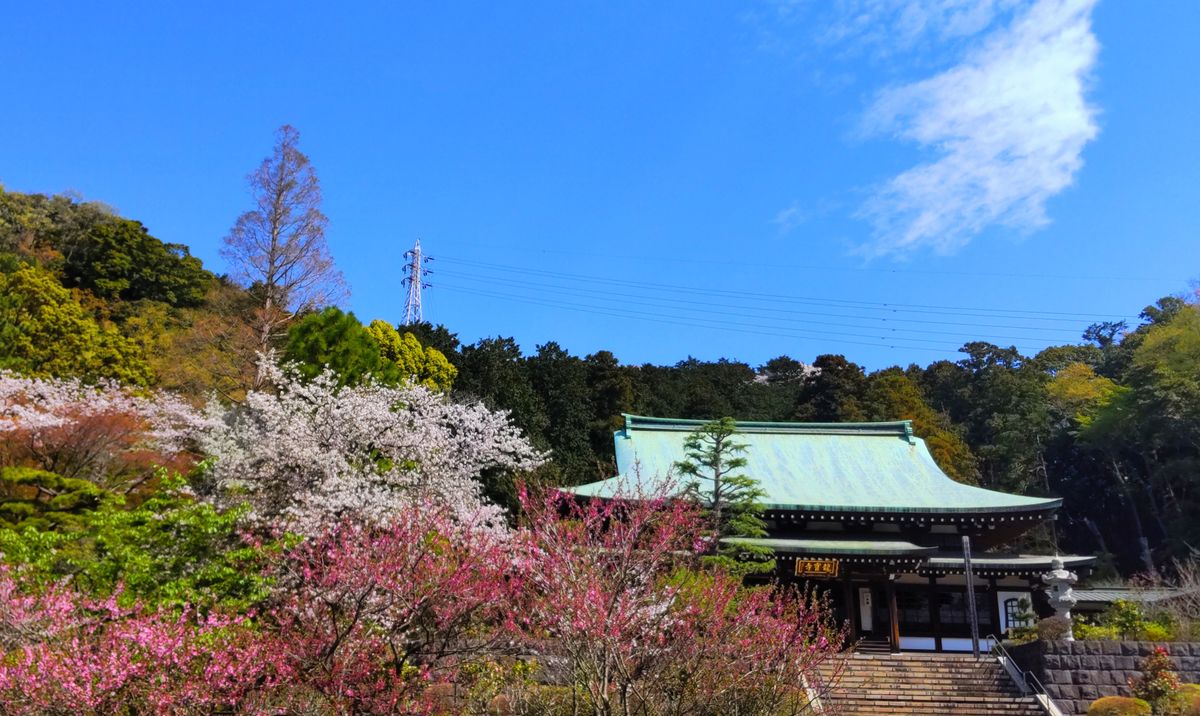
[(868, 645), (919, 684)]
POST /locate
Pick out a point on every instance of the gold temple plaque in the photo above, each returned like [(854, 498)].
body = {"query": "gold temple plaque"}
[(817, 568)]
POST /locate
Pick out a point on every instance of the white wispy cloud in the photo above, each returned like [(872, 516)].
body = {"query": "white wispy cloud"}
[(1007, 123), (790, 218), (889, 27)]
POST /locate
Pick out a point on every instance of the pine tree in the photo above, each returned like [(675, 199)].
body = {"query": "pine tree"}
[(731, 499)]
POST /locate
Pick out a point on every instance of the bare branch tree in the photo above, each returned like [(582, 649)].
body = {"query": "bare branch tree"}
[(278, 248)]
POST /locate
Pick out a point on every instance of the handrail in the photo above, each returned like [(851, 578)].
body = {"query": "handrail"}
[(1026, 676)]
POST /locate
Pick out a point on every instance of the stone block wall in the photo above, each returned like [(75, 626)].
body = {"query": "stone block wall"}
[(1076, 673)]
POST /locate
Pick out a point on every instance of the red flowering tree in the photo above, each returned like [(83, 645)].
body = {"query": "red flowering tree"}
[(610, 590), (67, 653), (366, 619)]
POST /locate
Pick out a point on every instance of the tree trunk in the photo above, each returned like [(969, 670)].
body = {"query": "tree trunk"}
[(1143, 543), (1094, 529)]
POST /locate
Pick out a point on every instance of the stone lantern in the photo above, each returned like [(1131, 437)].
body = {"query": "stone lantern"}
[(1059, 593)]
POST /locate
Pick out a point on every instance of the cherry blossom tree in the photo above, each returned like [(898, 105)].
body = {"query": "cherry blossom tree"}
[(109, 434), (310, 454)]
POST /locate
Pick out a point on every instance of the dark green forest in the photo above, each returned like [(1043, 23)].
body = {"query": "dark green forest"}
[(1111, 423)]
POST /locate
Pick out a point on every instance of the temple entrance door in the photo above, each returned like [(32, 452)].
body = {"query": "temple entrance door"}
[(866, 610), (874, 619)]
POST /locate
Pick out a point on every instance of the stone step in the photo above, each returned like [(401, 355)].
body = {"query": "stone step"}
[(982, 689), (908, 678), (886, 679), (923, 685), (957, 705), (974, 673), (932, 708), (1010, 704)]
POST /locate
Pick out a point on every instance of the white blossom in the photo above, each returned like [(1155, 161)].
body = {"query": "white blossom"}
[(91, 430), (312, 453)]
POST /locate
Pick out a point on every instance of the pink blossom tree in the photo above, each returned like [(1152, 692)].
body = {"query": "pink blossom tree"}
[(67, 653), (610, 590), (370, 619)]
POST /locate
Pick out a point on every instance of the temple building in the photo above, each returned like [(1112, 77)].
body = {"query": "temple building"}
[(862, 511)]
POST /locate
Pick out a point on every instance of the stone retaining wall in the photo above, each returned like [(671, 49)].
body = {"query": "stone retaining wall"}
[(1076, 673)]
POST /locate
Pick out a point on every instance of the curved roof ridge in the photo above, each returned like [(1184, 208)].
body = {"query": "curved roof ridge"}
[(889, 427)]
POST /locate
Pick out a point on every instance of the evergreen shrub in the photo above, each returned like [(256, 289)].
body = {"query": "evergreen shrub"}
[(1119, 706)]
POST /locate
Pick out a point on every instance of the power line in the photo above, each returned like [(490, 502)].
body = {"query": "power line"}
[(713, 307), (736, 326), (961, 311), (828, 268)]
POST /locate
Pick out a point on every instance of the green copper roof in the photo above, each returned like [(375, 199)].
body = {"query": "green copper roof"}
[(815, 467), (1108, 595), (1010, 562), (862, 547)]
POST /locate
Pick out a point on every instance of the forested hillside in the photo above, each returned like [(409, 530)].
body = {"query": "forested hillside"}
[(1112, 423)]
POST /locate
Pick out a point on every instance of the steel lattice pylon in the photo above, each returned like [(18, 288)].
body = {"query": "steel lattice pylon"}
[(415, 272)]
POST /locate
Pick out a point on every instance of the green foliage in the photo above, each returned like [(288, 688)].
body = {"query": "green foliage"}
[(1053, 359), (45, 501), (1166, 376), (1187, 700), (892, 395), (437, 337), (116, 259), (428, 366), (46, 228), (494, 371), (119, 259), (730, 499), (1077, 392), (1126, 617), (337, 340), (1086, 631), (611, 392), (835, 393), (1151, 427), (1006, 414), (45, 332), (486, 686), (1027, 630), (563, 381), (1105, 333), (169, 550), (1119, 706)]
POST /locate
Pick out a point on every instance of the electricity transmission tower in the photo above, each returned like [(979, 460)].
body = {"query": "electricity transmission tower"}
[(415, 272)]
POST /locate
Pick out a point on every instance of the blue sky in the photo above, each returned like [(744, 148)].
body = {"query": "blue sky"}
[(877, 178)]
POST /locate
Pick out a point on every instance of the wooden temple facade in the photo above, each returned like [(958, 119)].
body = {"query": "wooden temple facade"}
[(861, 510)]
